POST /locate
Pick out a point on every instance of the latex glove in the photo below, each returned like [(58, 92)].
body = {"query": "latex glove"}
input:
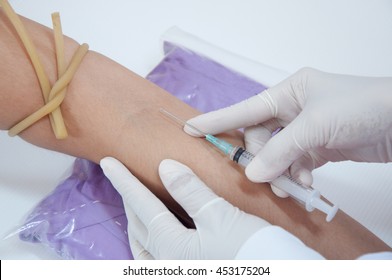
[(154, 232), (326, 117)]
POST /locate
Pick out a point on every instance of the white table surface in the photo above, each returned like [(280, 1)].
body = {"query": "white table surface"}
[(351, 37)]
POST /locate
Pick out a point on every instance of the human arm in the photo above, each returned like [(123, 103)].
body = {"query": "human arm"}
[(109, 110)]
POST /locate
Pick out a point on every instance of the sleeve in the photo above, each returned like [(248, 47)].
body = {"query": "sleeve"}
[(275, 243)]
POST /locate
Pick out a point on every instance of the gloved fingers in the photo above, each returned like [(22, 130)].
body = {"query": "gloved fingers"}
[(276, 155), (301, 169), (138, 251), (251, 111), (168, 238), (290, 95), (272, 125), (256, 136), (136, 196), (148, 218), (278, 192), (185, 187), (136, 228)]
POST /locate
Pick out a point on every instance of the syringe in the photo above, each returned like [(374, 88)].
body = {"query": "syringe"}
[(306, 195)]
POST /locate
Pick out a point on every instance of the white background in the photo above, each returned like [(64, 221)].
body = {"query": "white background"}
[(351, 37)]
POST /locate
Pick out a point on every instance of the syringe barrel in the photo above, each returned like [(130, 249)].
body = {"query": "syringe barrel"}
[(283, 182), (295, 190), (241, 156), (308, 196)]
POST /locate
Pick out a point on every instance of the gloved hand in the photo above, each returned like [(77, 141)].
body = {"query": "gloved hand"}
[(326, 117), (155, 233)]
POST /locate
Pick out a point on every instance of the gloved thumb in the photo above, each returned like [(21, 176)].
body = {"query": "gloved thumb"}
[(185, 187)]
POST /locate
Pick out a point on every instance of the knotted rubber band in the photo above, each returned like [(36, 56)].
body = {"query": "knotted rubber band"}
[(57, 92), (53, 96)]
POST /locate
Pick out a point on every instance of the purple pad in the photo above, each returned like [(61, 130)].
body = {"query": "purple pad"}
[(200, 82), (84, 217)]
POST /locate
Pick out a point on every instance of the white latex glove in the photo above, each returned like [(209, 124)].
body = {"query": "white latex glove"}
[(155, 233), (326, 117)]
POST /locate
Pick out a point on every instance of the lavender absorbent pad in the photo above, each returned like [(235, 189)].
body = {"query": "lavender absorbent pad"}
[(84, 217), (200, 82)]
